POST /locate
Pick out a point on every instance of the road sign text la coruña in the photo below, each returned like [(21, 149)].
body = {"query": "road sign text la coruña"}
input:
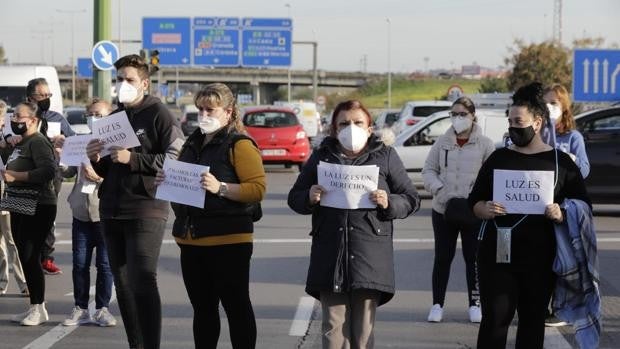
[(266, 42), (169, 36), (216, 41), (595, 75)]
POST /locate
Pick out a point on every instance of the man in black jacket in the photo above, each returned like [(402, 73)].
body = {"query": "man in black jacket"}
[(133, 220)]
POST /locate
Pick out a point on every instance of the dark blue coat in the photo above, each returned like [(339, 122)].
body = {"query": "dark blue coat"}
[(352, 249)]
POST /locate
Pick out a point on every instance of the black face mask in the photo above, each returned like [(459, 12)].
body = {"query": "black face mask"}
[(19, 128), (44, 104), (521, 136)]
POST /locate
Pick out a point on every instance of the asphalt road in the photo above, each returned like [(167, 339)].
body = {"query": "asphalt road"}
[(286, 317)]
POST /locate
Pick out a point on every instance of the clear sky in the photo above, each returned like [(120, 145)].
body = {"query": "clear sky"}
[(450, 33)]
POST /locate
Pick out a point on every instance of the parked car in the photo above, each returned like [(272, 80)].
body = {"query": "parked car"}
[(278, 134), (415, 111), (189, 119), (601, 133), (387, 118), (414, 144), (76, 116)]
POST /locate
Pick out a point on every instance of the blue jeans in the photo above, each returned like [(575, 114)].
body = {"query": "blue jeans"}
[(86, 237)]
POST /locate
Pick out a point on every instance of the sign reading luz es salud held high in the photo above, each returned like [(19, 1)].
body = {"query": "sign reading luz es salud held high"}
[(216, 41), (596, 75), (169, 36)]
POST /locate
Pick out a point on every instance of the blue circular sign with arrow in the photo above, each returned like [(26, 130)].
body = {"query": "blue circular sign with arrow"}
[(104, 54)]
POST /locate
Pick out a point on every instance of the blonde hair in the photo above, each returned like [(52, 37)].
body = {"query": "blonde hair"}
[(220, 95), (3, 108)]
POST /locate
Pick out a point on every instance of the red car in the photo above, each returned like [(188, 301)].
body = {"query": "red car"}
[(279, 135)]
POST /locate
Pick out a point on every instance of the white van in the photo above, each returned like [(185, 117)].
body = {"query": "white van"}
[(14, 78), (308, 116), (414, 144)]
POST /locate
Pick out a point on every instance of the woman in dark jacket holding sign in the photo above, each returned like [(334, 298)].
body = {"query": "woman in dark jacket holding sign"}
[(517, 250), (216, 240), (351, 264)]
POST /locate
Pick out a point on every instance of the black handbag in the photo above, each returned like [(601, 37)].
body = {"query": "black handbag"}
[(20, 200), (458, 213)]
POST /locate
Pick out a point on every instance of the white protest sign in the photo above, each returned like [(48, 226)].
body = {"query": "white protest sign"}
[(115, 130), (2, 166), (347, 187), (7, 129), (523, 192), (182, 183), (74, 150), (53, 129)]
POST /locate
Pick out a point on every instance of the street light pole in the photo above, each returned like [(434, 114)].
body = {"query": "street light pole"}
[(288, 83), (389, 63), (72, 13)]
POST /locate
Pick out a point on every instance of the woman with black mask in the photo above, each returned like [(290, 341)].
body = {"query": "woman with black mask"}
[(524, 281)]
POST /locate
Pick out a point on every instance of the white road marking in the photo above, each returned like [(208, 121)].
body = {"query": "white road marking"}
[(301, 321), (49, 338), (555, 340)]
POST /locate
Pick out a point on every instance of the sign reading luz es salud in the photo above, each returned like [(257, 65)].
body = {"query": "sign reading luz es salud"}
[(115, 130), (182, 183), (348, 187), (523, 192)]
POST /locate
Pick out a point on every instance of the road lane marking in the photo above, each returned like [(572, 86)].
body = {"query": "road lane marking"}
[(301, 321), (49, 338)]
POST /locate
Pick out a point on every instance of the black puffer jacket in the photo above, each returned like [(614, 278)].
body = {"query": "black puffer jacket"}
[(352, 249)]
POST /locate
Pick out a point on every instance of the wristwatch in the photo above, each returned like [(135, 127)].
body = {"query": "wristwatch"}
[(223, 189)]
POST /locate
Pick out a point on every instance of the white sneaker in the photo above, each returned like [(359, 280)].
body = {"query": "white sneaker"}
[(103, 318), (475, 315), (21, 316), (78, 316), (436, 313), (37, 315)]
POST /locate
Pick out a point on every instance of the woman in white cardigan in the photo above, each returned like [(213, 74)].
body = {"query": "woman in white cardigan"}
[(449, 172)]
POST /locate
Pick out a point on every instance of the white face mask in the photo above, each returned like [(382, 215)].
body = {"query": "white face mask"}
[(89, 122), (126, 92), (353, 138), (209, 124), (555, 111), (461, 124)]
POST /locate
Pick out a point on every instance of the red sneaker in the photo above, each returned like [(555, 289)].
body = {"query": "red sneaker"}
[(50, 268)]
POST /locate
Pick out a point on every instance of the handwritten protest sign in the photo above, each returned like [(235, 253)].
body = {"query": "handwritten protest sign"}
[(7, 129), (347, 187), (115, 130), (74, 150), (53, 129), (523, 192), (182, 183)]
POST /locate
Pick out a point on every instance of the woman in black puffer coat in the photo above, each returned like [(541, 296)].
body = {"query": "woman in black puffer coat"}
[(351, 264)]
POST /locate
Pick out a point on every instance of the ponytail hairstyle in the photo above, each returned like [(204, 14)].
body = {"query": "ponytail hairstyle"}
[(531, 97), (220, 95)]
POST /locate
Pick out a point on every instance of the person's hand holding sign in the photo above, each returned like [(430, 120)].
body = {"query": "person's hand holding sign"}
[(93, 149), (120, 155), (160, 177), (314, 194), (380, 197), (210, 183), (554, 213), (489, 209)]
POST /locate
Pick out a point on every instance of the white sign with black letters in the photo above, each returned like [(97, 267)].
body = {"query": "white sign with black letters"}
[(523, 192), (74, 150), (348, 187), (115, 130), (182, 183)]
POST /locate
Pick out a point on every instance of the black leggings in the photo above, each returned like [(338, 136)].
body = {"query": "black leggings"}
[(504, 290), (133, 251), (445, 247), (29, 233), (220, 273)]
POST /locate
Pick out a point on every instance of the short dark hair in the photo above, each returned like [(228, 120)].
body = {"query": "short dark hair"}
[(134, 61), (531, 97), (32, 85), (352, 104)]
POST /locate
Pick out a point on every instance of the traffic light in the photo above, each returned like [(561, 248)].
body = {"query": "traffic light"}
[(154, 62)]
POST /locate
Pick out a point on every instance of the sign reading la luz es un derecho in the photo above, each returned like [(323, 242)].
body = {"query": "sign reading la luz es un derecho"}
[(347, 187), (523, 192)]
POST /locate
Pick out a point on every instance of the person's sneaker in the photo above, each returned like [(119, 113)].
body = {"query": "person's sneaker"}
[(21, 316), (49, 267), (36, 315), (103, 318), (78, 316), (552, 321), (436, 313), (475, 315)]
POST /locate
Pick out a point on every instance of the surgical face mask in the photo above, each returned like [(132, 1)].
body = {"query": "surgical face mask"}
[(521, 136), (127, 93), (353, 138), (555, 111), (209, 124), (461, 123), (44, 104)]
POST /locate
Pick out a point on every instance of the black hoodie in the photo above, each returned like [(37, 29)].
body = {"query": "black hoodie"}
[(128, 190)]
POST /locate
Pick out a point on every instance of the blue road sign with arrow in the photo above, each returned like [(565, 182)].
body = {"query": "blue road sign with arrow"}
[(595, 75), (266, 42), (85, 68), (104, 54), (216, 41), (169, 36)]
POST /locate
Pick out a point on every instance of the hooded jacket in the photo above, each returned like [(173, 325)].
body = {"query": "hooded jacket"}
[(352, 249), (128, 190)]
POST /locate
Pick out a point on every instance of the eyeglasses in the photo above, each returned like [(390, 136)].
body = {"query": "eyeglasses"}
[(461, 114), (17, 117), (41, 95), (93, 115)]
